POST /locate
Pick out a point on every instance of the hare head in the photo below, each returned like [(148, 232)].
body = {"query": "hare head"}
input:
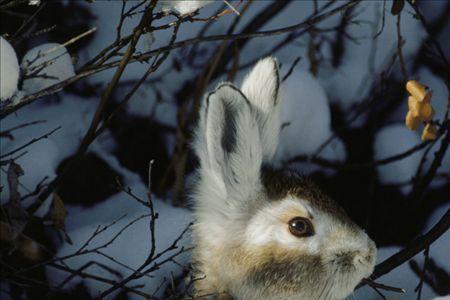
[(262, 233)]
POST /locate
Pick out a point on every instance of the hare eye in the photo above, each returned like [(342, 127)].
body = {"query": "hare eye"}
[(301, 227)]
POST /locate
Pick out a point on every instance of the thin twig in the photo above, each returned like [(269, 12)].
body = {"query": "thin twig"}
[(7, 132), (289, 72), (418, 289), (414, 247), (383, 286), (400, 43), (71, 41), (31, 142)]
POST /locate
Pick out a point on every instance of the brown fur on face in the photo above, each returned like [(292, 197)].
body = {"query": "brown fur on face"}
[(277, 271), (281, 183)]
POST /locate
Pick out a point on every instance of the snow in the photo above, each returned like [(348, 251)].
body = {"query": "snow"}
[(348, 85), (9, 70), (42, 157), (184, 6), (17, 96), (443, 242), (149, 39), (305, 115), (306, 108), (131, 247), (335, 151), (46, 65), (305, 112), (392, 140), (34, 2), (38, 162)]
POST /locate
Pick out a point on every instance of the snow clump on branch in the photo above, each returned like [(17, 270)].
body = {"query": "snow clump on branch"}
[(46, 65), (184, 6), (306, 120), (9, 70)]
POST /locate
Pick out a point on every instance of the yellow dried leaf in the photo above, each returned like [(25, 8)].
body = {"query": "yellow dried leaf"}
[(412, 102), (430, 132), (412, 122), (426, 112), (422, 110), (419, 91), (414, 106)]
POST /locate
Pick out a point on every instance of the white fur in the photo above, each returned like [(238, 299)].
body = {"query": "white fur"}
[(229, 180), (266, 227), (232, 206), (261, 88), (233, 174)]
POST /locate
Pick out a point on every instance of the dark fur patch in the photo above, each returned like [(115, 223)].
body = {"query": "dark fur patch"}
[(229, 134), (281, 183)]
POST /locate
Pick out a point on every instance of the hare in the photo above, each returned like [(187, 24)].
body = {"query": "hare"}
[(263, 233)]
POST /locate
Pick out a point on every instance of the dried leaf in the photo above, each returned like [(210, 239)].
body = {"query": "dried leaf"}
[(59, 212), (30, 249), (426, 112), (17, 241), (419, 91), (430, 132), (17, 217), (411, 121), (397, 7), (7, 233), (14, 172)]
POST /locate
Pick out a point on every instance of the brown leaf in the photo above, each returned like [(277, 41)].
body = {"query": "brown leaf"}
[(7, 233), (14, 172), (29, 248), (17, 217), (59, 212), (17, 241), (397, 7)]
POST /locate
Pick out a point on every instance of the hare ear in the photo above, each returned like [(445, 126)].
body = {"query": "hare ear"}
[(261, 87), (228, 143)]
